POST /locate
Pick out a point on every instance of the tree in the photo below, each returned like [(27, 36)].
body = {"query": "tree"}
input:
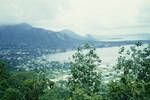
[(56, 93), (135, 62), (134, 69), (20, 85), (30, 85), (85, 80), (4, 75), (3, 71), (12, 94)]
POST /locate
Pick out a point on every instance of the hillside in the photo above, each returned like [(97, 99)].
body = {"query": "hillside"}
[(26, 36)]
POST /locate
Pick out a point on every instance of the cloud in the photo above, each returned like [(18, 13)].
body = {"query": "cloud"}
[(144, 15), (82, 16), (102, 17), (37, 12)]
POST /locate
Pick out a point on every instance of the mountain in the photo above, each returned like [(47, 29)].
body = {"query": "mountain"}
[(22, 42), (25, 36), (89, 37), (71, 34)]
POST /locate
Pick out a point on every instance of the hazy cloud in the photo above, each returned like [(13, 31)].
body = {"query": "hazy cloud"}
[(36, 12), (83, 16)]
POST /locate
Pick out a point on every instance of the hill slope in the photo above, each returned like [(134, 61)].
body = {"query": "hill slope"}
[(24, 35)]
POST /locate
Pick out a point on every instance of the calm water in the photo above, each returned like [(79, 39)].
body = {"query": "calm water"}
[(107, 55)]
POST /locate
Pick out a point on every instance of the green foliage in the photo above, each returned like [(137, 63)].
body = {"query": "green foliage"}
[(3, 71), (11, 94), (56, 93), (84, 77), (79, 94), (129, 91), (134, 68), (135, 62), (22, 85), (3, 78)]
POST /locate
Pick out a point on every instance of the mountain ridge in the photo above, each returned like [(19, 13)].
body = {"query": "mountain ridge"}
[(32, 37), (25, 36)]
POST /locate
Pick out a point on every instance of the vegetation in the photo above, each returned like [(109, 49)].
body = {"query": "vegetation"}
[(22, 85), (85, 82), (134, 82)]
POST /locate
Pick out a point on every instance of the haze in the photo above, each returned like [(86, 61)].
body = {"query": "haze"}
[(96, 17)]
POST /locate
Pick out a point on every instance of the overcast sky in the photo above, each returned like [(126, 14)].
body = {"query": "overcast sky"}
[(97, 17)]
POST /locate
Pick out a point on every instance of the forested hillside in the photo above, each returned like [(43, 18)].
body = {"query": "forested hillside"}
[(25, 36)]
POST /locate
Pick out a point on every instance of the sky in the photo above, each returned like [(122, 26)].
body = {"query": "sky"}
[(95, 17)]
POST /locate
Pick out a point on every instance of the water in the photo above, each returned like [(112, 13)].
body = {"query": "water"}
[(107, 55)]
